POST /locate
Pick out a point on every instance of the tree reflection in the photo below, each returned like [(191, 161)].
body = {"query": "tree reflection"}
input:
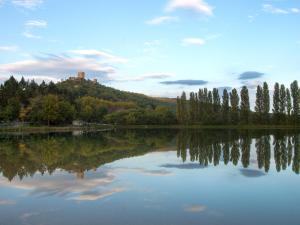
[(232, 146), (22, 156)]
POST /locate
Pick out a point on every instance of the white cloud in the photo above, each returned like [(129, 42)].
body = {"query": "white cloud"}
[(193, 41), (195, 208), (274, 10), (28, 4), (36, 23), (58, 66), (295, 10), (10, 48), (100, 54), (199, 6), (7, 202), (30, 35), (162, 19), (93, 196), (148, 76)]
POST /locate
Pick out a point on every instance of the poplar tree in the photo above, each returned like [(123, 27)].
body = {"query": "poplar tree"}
[(183, 109), (288, 102), (225, 107), (259, 103), (216, 106), (282, 103), (192, 107), (178, 110), (266, 102), (295, 96), (276, 103), (245, 105), (234, 102)]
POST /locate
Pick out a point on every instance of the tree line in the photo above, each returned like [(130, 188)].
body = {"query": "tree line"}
[(208, 107), (63, 102)]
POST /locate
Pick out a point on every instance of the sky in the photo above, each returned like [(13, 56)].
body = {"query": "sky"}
[(157, 47)]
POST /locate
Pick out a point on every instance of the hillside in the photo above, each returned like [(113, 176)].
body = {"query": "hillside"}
[(79, 88), (79, 99)]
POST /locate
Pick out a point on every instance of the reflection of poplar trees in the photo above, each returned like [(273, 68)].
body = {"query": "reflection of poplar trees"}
[(209, 147)]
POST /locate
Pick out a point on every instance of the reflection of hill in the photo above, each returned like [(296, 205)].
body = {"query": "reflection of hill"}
[(24, 156), (46, 153)]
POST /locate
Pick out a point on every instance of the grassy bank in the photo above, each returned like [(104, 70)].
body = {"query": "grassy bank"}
[(47, 129)]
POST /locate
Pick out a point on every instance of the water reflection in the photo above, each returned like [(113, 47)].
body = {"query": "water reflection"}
[(23, 156), (211, 147)]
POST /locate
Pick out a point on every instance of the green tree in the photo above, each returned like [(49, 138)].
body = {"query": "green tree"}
[(245, 106), (276, 103), (259, 104), (296, 100), (234, 102), (282, 103), (225, 107), (50, 109), (266, 102), (216, 117), (288, 103)]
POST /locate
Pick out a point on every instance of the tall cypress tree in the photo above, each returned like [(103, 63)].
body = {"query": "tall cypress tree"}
[(276, 103), (234, 102), (288, 102), (245, 105), (178, 110), (192, 108), (282, 103), (259, 104), (216, 106), (184, 109), (225, 107), (295, 96), (266, 102)]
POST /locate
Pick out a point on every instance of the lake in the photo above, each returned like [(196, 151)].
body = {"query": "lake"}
[(154, 176)]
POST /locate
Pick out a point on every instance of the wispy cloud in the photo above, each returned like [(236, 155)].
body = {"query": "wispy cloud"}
[(161, 20), (100, 54), (36, 23), (199, 6), (252, 84), (30, 35), (7, 202), (9, 48), (149, 76), (185, 82), (97, 195), (275, 10), (250, 75), (193, 41), (59, 66), (28, 4), (195, 208)]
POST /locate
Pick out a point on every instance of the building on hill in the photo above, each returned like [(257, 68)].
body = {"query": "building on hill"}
[(80, 76)]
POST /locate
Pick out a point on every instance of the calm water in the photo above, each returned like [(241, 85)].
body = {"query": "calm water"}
[(211, 177)]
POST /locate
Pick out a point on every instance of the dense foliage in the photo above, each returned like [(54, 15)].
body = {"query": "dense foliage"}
[(78, 99), (206, 108)]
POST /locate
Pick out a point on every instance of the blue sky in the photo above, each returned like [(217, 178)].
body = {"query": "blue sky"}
[(157, 47)]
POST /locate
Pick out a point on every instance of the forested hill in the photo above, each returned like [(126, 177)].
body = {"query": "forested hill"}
[(79, 99), (73, 89)]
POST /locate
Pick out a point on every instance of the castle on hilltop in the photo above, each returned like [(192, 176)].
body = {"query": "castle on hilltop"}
[(80, 76)]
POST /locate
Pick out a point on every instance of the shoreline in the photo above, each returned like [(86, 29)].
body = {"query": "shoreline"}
[(95, 128)]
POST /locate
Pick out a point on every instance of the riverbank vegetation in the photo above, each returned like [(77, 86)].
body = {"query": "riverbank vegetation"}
[(83, 102), (206, 107)]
